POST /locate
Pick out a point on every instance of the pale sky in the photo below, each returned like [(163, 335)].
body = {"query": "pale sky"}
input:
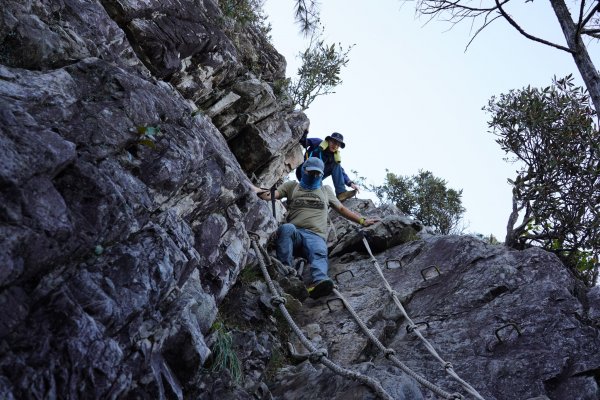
[(411, 96)]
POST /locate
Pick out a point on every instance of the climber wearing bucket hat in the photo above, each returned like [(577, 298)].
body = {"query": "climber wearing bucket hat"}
[(328, 151), (305, 233)]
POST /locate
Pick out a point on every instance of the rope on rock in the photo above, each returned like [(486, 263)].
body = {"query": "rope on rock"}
[(315, 354), (390, 354), (313, 357), (413, 328)]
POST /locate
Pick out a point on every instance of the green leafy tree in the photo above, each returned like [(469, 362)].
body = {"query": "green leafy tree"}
[(425, 197), (319, 73), (321, 65), (552, 132)]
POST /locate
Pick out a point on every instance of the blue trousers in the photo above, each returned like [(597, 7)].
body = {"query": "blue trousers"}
[(293, 241), (337, 176)]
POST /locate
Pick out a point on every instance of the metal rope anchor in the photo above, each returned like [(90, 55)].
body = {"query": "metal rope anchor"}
[(332, 300), (415, 326), (393, 261), (277, 300), (313, 357), (342, 273), (424, 271), (492, 345), (510, 324)]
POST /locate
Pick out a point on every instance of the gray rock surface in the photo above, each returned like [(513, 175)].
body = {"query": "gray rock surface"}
[(514, 324), (123, 211), (129, 134)]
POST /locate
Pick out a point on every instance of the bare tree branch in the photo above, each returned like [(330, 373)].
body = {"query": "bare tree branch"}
[(486, 23), (307, 15), (581, 11), (441, 6), (527, 35), (455, 11), (540, 236), (590, 15)]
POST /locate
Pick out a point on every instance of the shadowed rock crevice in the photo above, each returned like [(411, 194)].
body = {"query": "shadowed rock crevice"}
[(495, 292)]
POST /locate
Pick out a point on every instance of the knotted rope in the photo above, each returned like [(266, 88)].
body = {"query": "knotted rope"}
[(390, 354), (412, 327), (315, 354)]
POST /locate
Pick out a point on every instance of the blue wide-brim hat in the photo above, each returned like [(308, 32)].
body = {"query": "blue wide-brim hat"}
[(338, 137)]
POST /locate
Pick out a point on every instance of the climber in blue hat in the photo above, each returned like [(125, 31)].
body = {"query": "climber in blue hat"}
[(305, 233), (328, 151)]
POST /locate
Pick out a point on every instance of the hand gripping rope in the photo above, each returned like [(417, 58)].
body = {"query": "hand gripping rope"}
[(315, 354), (412, 326)]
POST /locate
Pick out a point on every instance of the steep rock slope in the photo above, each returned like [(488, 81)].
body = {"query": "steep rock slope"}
[(123, 209), (513, 324), (129, 133)]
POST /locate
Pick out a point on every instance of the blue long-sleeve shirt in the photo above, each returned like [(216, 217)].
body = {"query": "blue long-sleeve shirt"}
[(313, 149)]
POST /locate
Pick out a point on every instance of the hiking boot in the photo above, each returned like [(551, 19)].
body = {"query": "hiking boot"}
[(346, 195), (320, 289)]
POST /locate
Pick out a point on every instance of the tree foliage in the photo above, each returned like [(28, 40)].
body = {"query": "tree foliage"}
[(247, 12), (319, 73), (551, 131), (425, 197), (307, 15), (577, 33)]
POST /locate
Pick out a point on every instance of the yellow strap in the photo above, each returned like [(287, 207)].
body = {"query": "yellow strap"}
[(337, 156)]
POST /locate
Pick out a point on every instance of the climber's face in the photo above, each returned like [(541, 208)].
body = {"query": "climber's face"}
[(334, 145)]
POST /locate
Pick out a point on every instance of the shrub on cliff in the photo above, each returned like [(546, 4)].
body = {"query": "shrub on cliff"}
[(319, 73), (553, 134), (246, 12)]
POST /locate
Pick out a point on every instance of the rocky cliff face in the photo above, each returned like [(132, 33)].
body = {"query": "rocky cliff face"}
[(514, 324), (129, 132)]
